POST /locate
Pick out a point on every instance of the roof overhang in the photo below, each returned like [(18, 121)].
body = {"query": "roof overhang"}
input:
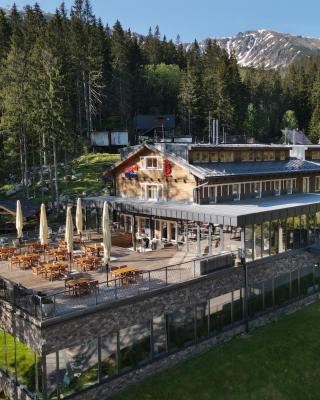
[(237, 213)]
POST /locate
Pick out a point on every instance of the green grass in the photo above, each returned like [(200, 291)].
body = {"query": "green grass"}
[(277, 362), (91, 166)]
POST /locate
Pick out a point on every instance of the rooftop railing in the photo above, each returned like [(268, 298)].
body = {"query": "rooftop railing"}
[(138, 283)]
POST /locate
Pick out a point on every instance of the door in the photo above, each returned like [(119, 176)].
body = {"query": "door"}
[(305, 184)]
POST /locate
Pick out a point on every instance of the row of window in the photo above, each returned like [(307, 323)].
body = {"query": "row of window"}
[(229, 156), (270, 238), (258, 187)]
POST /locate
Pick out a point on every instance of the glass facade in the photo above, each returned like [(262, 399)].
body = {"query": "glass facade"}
[(20, 363), (277, 236), (74, 369)]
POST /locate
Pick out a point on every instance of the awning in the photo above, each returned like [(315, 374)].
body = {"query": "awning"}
[(236, 213)]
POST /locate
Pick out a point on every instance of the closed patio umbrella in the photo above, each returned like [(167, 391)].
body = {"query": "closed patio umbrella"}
[(106, 234), (79, 219), (43, 230), (19, 220), (69, 233)]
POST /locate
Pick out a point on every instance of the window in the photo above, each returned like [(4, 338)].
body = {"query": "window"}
[(236, 191), (204, 156), (152, 163), (315, 155), (305, 184), (282, 155), (214, 156), (268, 155), (135, 346), (152, 191), (259, 156), (257, 188), (247, 156), (226, 156), (317, 184), (289, 186), (277, 187), (196, 156)]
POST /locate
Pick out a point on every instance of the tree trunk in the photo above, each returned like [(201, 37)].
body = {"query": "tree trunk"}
[(44, 149), (56, 183), (86, 105), (21, 161), (26, 175)]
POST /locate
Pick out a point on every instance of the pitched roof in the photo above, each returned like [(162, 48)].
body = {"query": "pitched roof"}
[(211, 170)]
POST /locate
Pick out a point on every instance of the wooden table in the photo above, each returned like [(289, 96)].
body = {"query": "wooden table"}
[(124, 271), (94, 248), (87, 262), (53, 269), (81, 284)]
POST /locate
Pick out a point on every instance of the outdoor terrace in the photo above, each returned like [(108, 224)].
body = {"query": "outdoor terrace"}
[(131, 274)]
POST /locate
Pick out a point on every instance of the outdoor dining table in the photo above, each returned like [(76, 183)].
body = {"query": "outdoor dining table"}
[(87, 262), (81, 284), (94, 249), (5, 252), (26, 260), (129, 274), (52, 269)]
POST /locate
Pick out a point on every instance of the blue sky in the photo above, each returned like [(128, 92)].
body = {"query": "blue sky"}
[(203, 18)]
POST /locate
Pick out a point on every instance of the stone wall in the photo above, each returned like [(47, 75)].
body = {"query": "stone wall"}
[(109, 318), (23, 327), (107, 390)]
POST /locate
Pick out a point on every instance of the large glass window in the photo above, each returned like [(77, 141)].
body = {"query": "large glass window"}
[(311, 228), (201, 321), (265, 239), (78, 367), (296, 232), (181, 328), (255, 300), (282, 236), (135, 348), (257, 242), (220, 312), (237, 311), (290, 232), (248, 242), (304, 230), (109, 366), (3, 361), (159, 335), (282, 289), (306, 281), (51, 366), (274, 237)]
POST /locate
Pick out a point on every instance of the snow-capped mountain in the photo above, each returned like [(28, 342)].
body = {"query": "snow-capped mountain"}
[(268, 48)]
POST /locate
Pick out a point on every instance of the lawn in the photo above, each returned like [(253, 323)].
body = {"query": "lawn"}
[(84, 177), (277, 362)]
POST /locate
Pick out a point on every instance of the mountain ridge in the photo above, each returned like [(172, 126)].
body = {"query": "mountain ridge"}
[(268, 48)]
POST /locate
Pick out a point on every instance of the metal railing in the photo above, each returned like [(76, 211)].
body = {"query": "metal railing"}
[(66, 301)]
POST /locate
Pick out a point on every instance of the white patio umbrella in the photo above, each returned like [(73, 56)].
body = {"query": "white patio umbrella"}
[(79, 219), (106, 234), (69, 231), (19, 220), (43, 230)]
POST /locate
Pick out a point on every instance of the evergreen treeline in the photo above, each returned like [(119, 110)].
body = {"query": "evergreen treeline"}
[(63, 77)]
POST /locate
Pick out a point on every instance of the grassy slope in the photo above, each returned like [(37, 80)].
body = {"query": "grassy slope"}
[(91, 166), (279, 361)]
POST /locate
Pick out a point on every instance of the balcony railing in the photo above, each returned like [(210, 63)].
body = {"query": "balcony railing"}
[(66, 301)]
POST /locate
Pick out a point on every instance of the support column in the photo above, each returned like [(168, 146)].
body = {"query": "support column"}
[(198, 240), (210, 239), (97, 219), (221, 238), (186, 235), (152, 228), (280, 238), (86, 218), (169, 230), (133, 232)]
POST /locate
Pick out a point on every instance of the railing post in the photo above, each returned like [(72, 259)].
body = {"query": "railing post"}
[(166, 276), (194, 268), (115, 289)]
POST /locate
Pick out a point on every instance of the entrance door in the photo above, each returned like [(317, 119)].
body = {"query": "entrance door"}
[(305, 184)]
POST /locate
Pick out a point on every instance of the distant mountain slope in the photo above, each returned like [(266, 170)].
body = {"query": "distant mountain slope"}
[(268, 48)]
